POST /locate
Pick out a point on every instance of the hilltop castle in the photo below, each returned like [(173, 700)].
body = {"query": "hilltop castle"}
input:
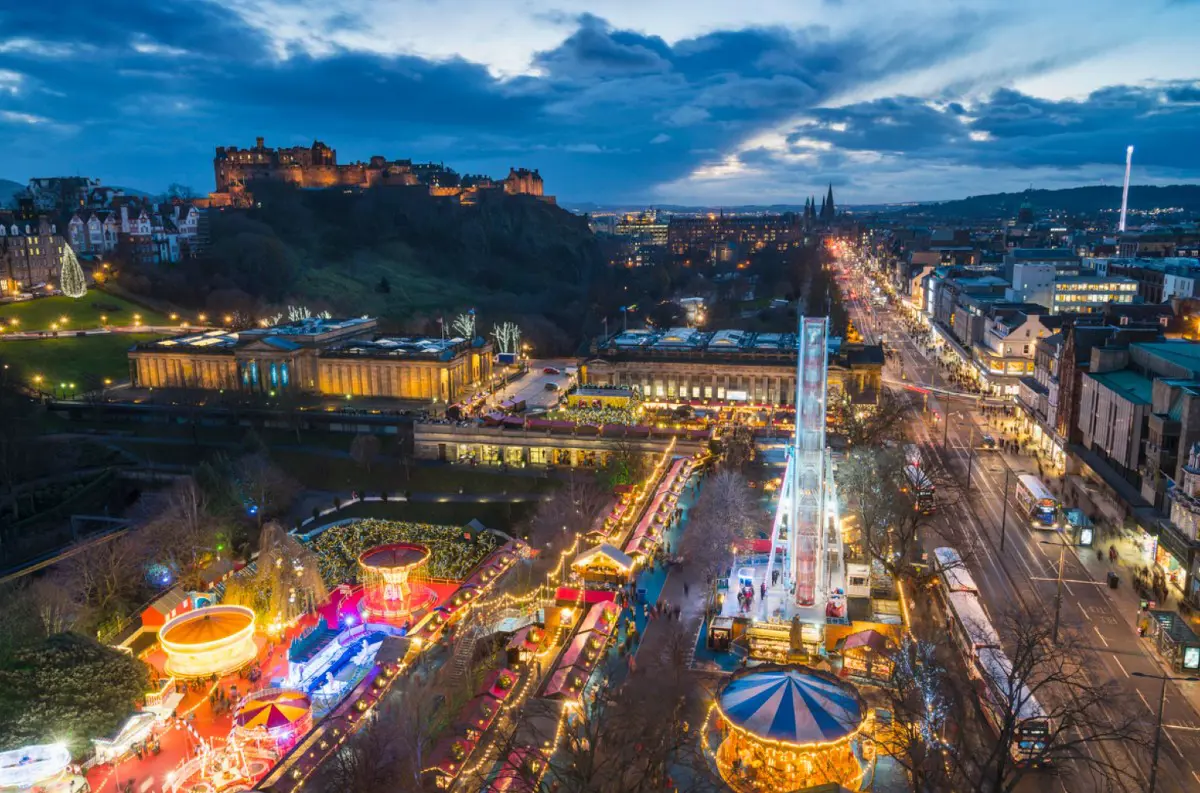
[(316, 167)]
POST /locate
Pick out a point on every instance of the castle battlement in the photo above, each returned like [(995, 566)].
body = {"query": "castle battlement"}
[(316, 167)]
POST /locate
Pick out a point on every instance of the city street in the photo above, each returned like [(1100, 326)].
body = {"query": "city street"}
[(1025, 572)]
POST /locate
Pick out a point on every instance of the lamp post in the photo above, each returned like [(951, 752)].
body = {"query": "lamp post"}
[(1062, 551), (1162, 698), (1004, 509)]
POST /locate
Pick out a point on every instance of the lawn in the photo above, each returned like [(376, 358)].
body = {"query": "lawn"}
[(73, 359), (92, 311)]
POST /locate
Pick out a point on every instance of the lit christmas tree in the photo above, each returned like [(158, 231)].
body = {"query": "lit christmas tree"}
[(71, 279)]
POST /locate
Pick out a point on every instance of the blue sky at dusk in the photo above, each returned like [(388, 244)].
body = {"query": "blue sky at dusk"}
[(616, 101)]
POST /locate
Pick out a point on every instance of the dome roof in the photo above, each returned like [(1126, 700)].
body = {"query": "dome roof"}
[(273, 708), (792, 705), (395, 555), (207, 625)]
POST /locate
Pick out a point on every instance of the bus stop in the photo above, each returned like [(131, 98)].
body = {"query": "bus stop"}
[(1174, 639)]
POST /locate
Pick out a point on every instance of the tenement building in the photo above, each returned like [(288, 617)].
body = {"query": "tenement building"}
[(729, 366), (315, 356), (30, 251)]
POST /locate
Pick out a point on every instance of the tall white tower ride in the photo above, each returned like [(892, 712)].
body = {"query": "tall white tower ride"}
[(1125, 192)]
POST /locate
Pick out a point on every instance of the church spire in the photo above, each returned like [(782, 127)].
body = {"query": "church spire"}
[(827, 207)]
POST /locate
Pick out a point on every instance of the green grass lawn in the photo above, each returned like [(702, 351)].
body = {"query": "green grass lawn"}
[(82, 314), (72, 359)]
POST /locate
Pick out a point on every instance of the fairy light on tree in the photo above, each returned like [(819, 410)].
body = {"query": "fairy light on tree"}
[(464, 325), (508, 337), (72, 281)]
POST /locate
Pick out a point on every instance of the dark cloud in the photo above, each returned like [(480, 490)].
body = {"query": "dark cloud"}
[(139, 92), (1009, 128)]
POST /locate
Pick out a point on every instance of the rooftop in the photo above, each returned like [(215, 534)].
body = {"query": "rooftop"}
[(1185, 354), (1043, 254), (694, 339), (1131, 386)]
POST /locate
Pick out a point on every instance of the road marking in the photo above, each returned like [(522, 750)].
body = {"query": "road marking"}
[(1101, 635), (1118, 660), (1085, 614), (1066, 580), (1177, 749), (1182, 727), (1143, 698)]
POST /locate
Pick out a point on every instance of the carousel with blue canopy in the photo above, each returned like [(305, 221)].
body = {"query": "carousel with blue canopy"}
[(789, 727)]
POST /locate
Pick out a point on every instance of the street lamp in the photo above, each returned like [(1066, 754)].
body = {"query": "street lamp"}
[(1004, 507), (1062, 551), (1162, 698)]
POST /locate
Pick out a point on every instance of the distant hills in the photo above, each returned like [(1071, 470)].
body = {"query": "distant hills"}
[(8, 189), (1074, 200)]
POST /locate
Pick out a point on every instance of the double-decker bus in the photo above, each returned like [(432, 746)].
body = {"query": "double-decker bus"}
[(1037, 503), (920, 486), (1008, 704)]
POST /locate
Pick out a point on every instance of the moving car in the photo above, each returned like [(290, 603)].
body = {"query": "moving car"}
[(988, 442), (551, 386), (550, 370)]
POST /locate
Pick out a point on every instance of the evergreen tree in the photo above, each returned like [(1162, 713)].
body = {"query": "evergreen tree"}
[(70, 277)]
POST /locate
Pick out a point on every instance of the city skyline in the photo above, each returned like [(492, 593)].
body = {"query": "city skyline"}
[(622, 104)]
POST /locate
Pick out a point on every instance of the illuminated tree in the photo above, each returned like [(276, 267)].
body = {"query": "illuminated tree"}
[(70, 277), (508, 337), (464, 325), (287, 583)]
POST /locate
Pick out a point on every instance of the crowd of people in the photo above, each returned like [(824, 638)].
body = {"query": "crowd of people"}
[(453, 551)]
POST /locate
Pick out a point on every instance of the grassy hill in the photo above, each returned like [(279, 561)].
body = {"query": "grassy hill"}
[(8, 189), (397, 254), (1076, 201)]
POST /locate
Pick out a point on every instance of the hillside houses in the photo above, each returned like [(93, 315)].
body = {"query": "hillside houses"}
[(137, 231)]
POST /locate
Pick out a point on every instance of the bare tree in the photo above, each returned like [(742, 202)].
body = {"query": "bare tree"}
[(390, 752), (887, 528), (870, 425), (726, 511), (570, 510), (951, 734), (616, 742), (1084, 715), (182, 536), (104, 578), (269, 488), (363, 449)]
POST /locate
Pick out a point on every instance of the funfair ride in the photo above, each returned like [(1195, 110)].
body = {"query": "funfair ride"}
[(811, 553)]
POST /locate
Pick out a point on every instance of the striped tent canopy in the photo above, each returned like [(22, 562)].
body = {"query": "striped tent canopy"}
[(273, 709), (792, 705)]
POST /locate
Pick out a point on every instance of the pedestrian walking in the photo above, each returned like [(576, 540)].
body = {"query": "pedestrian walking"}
[(685, 588)]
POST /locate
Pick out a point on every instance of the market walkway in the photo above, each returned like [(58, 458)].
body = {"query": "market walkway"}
[(661, 583)]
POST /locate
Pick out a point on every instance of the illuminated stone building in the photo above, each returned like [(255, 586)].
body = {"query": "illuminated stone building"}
[(731, 366), (316, 167), (318, 356)]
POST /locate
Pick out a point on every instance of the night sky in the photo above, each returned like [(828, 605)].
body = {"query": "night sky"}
[(616, 101)]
